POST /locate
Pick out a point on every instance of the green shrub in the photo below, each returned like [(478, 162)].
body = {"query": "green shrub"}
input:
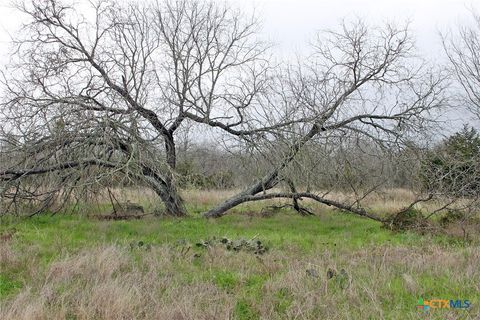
[(453, 166), (407, 219), (452, 216)]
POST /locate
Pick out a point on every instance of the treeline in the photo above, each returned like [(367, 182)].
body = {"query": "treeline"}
[(449, 165)]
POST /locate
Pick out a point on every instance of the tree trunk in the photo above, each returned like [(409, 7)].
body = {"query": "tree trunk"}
[(267, 182), (174, 204), (164, 186), (342, 206), (166, 190), (170, 151)]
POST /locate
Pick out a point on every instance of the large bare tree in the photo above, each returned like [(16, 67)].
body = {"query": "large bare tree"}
[(359, 83), (109, 88), (462, 49)]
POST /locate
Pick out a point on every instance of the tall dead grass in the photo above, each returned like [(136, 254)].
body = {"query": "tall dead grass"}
[(112, 282), (381, 201)]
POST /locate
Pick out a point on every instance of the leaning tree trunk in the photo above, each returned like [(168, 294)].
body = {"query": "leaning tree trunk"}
[(272, 178), (269, 181), (164, 186), (174, 204), (166, 190)]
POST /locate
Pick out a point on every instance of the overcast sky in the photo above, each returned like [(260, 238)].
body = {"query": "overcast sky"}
[(290, 24)]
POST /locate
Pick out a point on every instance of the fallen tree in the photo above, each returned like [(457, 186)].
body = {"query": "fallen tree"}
[(359, 82)]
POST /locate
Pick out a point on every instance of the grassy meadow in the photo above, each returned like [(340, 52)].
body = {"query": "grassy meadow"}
[(329, 266)]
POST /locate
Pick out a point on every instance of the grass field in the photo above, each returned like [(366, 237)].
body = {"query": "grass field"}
[(329, 266)]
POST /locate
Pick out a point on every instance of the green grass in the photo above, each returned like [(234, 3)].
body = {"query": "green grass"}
[(335, 231), (8, 285), (375, 259)]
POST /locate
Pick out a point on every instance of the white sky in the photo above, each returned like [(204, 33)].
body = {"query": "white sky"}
[(292, 23)]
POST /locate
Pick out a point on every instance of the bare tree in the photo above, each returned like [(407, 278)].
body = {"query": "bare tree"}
[(358, 82), (123, 81), (462, 49)]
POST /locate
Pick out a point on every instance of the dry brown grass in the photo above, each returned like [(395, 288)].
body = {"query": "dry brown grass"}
[(106, 282), (382, 202), (208, 197), (388, 199)]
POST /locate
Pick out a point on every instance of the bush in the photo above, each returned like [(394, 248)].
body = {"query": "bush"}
[(406, 220), (452, 216), (453, 166)]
